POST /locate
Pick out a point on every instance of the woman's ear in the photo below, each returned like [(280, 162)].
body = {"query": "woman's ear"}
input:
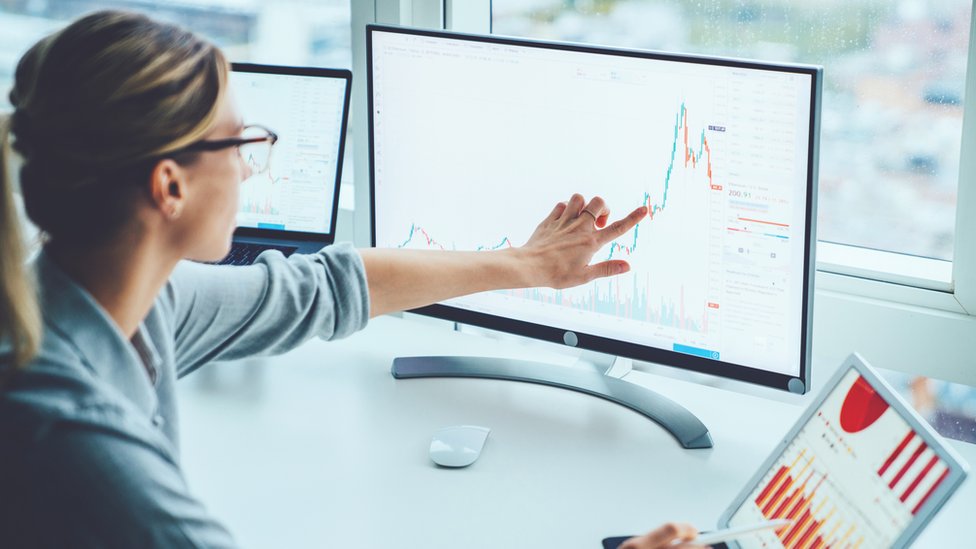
[(168, 188)]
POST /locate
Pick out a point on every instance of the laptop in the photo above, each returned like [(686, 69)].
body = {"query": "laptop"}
[(859, 469), (291, 206)]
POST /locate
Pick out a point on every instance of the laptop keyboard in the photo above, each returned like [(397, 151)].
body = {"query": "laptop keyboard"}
[(243, 253)]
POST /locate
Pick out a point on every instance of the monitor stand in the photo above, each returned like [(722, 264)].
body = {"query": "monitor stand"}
[(602, 381)]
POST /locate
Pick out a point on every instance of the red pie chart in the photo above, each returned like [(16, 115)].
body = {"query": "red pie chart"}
[(862, 407)]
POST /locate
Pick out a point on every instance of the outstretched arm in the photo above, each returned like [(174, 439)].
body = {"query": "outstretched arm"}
[(557, 255), (224, 312)]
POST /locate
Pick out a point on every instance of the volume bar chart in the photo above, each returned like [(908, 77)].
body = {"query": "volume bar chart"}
[(607, 297)]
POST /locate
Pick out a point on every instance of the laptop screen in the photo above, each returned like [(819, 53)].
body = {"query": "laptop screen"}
[(307, 108), (856, 474)]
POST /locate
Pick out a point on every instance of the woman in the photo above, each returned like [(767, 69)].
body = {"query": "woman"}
[(131, 163)]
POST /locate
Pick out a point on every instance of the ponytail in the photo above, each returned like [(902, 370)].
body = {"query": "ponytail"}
[(20, 318)]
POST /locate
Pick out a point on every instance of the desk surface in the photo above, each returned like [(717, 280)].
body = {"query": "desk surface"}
[(323, 448)]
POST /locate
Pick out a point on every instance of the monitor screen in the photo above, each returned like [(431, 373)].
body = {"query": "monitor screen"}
[(307, 110), (475, 138)]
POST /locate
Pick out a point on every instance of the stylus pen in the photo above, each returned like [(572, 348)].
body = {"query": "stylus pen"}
[(729, 534)]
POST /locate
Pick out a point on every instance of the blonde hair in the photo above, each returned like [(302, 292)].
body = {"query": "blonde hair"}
[(96, 106), (20, 319)]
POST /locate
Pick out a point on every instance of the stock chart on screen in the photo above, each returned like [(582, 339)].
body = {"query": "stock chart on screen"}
[(475, 142), (297, 190)]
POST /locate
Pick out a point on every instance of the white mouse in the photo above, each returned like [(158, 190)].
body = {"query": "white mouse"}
[(458, 446)]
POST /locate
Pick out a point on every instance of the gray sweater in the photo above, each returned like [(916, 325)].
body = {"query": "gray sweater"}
[(89, 433)]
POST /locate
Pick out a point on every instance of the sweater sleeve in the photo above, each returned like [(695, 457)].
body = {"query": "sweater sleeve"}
[(229, 312)]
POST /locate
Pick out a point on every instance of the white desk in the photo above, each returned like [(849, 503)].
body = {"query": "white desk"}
[(323, 448)]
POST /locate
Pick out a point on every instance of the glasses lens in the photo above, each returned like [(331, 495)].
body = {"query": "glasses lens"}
[(257, 155)]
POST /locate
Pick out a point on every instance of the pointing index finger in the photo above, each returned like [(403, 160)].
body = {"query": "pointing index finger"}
[(621, 226)]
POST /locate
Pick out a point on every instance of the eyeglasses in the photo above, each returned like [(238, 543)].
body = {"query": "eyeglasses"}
[(254, 146)]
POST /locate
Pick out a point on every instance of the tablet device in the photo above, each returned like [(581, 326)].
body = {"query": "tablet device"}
[(859, 469)]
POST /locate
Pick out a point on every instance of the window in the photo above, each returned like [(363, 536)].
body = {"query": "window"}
[(893, 93), (288, 32), (949, 407)]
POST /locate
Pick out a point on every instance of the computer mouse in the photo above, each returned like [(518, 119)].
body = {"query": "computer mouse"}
[(458, 446)]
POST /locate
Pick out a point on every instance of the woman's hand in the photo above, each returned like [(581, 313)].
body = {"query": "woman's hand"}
[(669, 536), (562, 246)]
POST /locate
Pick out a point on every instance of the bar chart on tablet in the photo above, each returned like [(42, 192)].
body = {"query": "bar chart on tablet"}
[(854, 476)]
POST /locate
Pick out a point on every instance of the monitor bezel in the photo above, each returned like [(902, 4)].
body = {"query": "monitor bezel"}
[(341, 74), (607, 345)]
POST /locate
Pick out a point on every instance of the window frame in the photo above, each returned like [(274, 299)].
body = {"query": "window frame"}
[(906, 313)]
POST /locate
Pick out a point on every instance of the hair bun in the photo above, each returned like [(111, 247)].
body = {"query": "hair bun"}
[(95, 104), (20, 128)]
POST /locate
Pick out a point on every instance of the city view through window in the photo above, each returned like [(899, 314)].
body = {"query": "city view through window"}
[(894, 78), (285, 32)]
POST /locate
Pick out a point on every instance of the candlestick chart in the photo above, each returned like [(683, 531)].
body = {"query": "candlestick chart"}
[(629, 297)]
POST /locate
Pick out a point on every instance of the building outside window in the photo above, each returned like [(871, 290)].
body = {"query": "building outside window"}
[(286, 32)]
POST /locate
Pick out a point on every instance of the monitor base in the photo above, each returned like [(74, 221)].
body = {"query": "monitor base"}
[(686, 428)]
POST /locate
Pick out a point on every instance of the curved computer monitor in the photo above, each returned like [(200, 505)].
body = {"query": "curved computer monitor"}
[(475, 138)]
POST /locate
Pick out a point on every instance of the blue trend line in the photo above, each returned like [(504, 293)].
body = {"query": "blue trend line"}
[(497, 246), (614, 246), (413, 228), (654, 209)]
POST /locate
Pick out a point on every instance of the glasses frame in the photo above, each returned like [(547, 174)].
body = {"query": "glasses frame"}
[(219, 144)]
